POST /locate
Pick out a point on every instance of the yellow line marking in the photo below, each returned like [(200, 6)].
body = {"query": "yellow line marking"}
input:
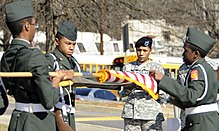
[(111, 118)]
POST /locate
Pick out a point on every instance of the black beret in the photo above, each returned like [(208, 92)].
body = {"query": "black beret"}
[(144, 41)]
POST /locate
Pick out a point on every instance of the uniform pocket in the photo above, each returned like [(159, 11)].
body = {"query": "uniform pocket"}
[(192, 124)]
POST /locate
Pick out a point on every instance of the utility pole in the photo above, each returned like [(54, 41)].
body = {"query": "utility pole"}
[(101, 26), (126, 42)]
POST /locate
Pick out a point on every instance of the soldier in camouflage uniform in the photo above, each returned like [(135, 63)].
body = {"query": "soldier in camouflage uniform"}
[(141, 112)]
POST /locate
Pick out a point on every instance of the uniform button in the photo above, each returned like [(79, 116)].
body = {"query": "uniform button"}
[(190, 124)]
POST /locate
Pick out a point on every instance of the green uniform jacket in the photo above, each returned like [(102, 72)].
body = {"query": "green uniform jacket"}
[(195, 94), (64, 64), (37, 89), (3, 100)]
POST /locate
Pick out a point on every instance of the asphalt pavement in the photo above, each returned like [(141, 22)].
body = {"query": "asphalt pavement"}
[(81, 105), (89, 106), (89, 127)]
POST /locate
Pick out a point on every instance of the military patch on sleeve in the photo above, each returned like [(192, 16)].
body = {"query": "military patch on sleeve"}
[(194, 75)]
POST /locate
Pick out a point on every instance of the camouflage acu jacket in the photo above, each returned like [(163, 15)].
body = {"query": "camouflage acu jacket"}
[(140, 105)]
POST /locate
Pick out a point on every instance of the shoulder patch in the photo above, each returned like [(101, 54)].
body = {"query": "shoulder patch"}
[(194, 75)]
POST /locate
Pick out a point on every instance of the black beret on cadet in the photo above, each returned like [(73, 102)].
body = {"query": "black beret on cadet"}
[(144, 41)]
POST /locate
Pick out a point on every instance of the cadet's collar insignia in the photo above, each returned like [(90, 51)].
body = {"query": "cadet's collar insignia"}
[(194, 75), (146, 43)]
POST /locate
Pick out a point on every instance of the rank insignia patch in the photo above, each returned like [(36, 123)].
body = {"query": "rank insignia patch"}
[(194, 75)]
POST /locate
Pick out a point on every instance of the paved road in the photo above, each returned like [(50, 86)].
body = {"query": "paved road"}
[(92, 116), (87, 117), (109, 120)]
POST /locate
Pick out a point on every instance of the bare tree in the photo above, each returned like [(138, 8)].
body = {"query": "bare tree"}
[(106, 16), (6, 34), (197, 13)]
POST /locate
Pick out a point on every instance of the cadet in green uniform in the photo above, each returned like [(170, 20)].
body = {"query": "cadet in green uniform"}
[(61, 59), (35, 96), (198, 94)]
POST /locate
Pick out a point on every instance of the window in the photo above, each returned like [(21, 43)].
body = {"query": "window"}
[(116, 47), (104, 94), (83, 91), (98, 46), (81, 47), (94, 68), (131, 47), (87, 67)]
